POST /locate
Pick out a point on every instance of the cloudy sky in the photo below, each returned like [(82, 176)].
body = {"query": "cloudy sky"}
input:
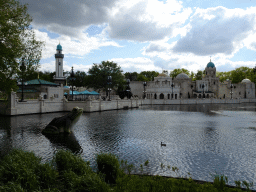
[(144, 35)]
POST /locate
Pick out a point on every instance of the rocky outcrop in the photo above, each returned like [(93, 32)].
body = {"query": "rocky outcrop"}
[(64, 123)]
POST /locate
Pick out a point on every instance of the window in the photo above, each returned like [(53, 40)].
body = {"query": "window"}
[(56, 95), (214, 82)]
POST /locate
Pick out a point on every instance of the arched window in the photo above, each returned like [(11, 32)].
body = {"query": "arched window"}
[(155, 96), (175, 96), (161, 96), (168, 96)]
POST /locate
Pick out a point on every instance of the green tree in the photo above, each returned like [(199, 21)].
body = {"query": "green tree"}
[(223, 75), (81, 79), (132, 76), (176, 72), (147, 75), (192, 75), (99, 72), (241, 73), (17, 40), (199, 75)]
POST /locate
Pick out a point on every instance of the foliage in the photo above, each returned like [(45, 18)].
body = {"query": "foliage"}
[(108, 164), (223, 75), (66, 161), (23, 169), (199, 75), (132, 76), (17, 40), (176, 72), (99, 72), (81, 79), (241, 73), (147, 75)]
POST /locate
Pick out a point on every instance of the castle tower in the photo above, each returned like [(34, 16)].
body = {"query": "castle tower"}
[(59, 78)]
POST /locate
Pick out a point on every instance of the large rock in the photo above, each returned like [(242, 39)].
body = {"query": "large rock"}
[(64, 123)]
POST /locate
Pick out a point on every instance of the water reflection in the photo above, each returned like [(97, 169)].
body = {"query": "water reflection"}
[(200, 139)]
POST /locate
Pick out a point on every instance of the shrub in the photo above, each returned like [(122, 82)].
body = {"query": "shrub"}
[(19, 167), (85, 183), (67, 161), (108, 164)]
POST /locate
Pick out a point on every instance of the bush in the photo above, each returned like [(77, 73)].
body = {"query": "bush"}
[(84, 183), (19, 167), (108, 164), (67, 161)]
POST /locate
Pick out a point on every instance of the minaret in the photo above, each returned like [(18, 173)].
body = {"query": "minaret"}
[(59, 78)]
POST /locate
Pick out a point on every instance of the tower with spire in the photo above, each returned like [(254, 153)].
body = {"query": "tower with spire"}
[(59, 78)]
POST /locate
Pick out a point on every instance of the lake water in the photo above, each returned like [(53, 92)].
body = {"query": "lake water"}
[(200, 139)]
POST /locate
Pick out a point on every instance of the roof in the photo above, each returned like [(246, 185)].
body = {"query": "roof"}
[(59, 47), (246, 81), (210, 64), (74, 93), (182, 76), (40, 82), (94, 93)]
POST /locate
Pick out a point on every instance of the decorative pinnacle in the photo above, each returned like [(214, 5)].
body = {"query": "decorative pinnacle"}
[(210, 59)]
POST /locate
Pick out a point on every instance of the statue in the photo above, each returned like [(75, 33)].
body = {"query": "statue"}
[(64, 123)]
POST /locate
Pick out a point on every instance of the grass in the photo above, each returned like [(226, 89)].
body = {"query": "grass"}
[(23, 171)]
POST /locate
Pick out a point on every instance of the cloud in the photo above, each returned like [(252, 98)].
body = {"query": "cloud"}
[(216, 30), (71, 46), (136, 64), (146, 20), (68, 17)]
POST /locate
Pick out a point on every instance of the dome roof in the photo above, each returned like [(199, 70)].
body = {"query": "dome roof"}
[(210, 64), (182, 76), (59, 47), (246, 81)]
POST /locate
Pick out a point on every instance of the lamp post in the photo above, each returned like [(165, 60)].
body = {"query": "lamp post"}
[(231, 86), (203, 90), (144, 84), (109, 81), (72, 78), (172, 85), (128, 89), (22, 68)]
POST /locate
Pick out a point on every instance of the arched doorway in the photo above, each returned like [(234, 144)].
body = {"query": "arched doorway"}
[(161, 96)]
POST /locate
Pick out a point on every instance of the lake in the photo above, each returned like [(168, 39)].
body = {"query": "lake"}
[(200, 139)]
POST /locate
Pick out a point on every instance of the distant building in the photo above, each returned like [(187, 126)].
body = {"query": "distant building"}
[(184, 88)]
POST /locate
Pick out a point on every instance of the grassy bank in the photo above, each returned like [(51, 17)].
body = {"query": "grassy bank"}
[(23, 171)]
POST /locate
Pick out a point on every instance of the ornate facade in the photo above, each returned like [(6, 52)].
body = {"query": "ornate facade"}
[(182, 87)]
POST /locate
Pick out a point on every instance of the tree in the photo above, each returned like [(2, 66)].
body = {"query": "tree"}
[(176, 72), (192, 75), (81, 79), (199, 75), (17, 40), (223, 75), (147, 75), (99, 72), (241, 73), (132, 76)]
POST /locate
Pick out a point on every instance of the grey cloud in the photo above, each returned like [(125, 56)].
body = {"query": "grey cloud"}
[(154, 47), (216, 35), (73, 14)]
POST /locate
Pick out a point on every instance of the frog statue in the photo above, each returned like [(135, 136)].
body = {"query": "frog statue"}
[(64, 123)]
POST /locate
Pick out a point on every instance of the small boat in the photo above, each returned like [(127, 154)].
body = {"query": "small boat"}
[(163, 144)]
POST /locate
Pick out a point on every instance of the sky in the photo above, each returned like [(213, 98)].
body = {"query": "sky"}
[(146, 35)]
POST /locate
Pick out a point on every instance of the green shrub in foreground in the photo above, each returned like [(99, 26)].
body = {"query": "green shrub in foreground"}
[(67, 161), (108, 164)]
